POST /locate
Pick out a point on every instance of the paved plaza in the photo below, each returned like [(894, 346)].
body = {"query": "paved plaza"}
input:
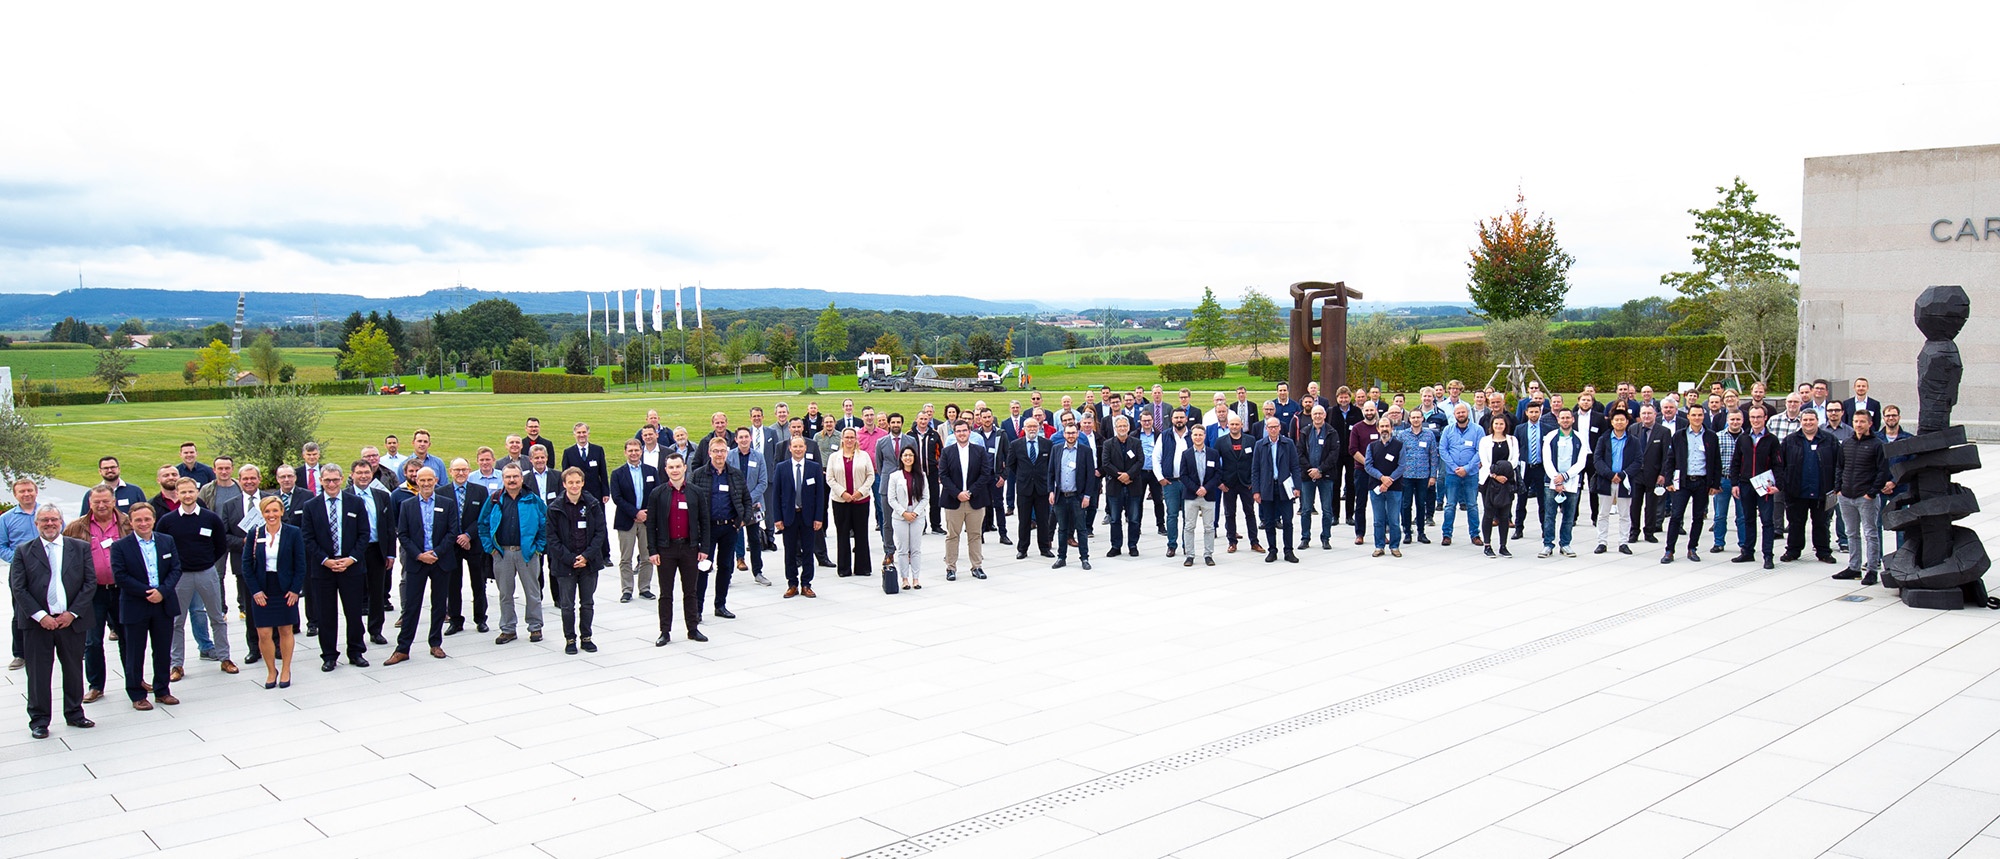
[(1440, 705)]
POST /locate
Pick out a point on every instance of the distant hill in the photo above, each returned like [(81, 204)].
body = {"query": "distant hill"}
[(30, 311)]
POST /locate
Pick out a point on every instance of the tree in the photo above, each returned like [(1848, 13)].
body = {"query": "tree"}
[(1069, 341), (351, 324), (734, 349), (520, 355), (368, 352), (1208, 328), (781, 346), (830, 333), (1007, 348), (218, 364), (131, 326), (1733, 244), (25, 448), (1369, 340), (1518, 269), (268, 426), (702, 345), (980, 346), (74, 330), (1760, 320), (1255, 321), (955, 352), (286, 372), (190, 371), (114, 369), (263, 358), (490, 324), (634, 360), (480, 365), (1526, 336), (891, 345), (576, 355)]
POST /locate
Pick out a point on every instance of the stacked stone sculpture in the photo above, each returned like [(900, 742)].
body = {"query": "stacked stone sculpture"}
[(1941, 564)]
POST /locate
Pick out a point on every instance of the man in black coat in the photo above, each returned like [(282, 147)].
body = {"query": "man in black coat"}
[(1757, 453), (1694, 467), (336, 531), (1648, 503), (590, 459), (724, 490), (1027, 470), (1122, 460), (378, 556), (1811, 463), (427, 559), (1236, 448), (1072, 486), (677, 523), (468, 562), (47, 580)]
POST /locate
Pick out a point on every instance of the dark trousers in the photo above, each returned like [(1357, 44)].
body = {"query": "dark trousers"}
[(1419, 500), (43, 649), (576, 596), (1495, 516), (1798, 512), (376, 580), (1362, 487), (416, 577), (1232, 499), (103, 616), (1757, 508), (1277, 514), (1075, 524), (339, 596), (678, 560), (819, 537), (1159, 501), (476, 567), (850, 532), (723, 552), (1646, 512), (234, 565), (1352, 499), (1126, 511), (1533, 479), (748, 540), (151, 631), (1693, 497), (797, 540), (937, 523), (1033, 512)]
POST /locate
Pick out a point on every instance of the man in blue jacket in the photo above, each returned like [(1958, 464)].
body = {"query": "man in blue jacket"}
[(426, 533), (1072, 486), (513, 529)]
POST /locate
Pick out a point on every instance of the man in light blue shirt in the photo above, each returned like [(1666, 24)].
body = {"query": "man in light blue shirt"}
[(17, 526), (1459, 459)]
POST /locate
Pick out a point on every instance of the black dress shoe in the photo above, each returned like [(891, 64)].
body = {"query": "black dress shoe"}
[(312, 631), (1115, 552), (951, 575), (1085, 562), (358, 661), (482, 628), (373, 638), (39, 732), (1868, 580), (625, 597), (588, 647), (661, 641), (455, 628), (1059, 564), (1625, 550), (644, 595), (1424, 538), (80, 723), (327, 664), (569, 647), (1599, 550), (1667, 558), (1326, 545), (1271, 557), (695, 635), (1134, 551), (824, 562), (978, 573), (1189, 562), (1744, 558), (1005, 541), (1048, 553), (723, 612), (254, 658), (1208, 559), (1692, 556), (1847, 575), (1291, 558), (1768, 565), (1021, 555), (1788, 557)]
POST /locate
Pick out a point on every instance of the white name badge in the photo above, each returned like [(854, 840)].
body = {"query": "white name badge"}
[(722, 487), (753, 463), (1423, 444), (437, 509), (1468, 442), (593, 463), (353, 515), (124, 502), (683, 505), (166, 556), (1389, 456), (549, 496), (811, 480), (104, 543), (204, 532), (582, 525)]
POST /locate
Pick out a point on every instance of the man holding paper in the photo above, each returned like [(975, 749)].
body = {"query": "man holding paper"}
[(1757, 455)]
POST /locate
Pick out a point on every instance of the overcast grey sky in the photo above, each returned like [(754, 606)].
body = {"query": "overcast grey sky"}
[(1072, 152)]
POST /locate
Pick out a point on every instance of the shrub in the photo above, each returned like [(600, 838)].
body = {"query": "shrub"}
[(517, 382), (958, 371), (1191, 371)]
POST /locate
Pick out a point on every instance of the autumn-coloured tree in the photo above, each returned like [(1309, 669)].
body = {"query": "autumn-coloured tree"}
[(1518, 269)]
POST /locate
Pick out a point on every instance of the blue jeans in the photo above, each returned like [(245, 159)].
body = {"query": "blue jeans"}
[(1073, 522), (1463, 492), (1419, 496), (1558, 504), (1125, 514), (198, 618), (1322, 495), (1388, 528), (1170, 494), (1719, 510)]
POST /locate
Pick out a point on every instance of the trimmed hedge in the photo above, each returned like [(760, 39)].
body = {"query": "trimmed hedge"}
[(659, 374), (517, 382), (1191, 371), (35, 399), (957, 371), (1567, 365), (831, 368)]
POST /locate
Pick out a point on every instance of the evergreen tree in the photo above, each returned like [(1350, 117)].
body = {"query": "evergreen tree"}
[(1208, 328)]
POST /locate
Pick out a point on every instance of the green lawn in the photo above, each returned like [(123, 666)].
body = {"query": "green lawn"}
[(70, 369), (146, 435)]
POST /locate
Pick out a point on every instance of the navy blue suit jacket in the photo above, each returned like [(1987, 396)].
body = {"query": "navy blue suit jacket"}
[(290, 577), (1086, 468), (809, 498), (410, 529), (1212, 481), (319, 539), (622, 498), (1266, 481), (128, 570)]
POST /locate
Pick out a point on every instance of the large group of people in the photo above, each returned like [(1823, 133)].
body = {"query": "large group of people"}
[(336, 547)]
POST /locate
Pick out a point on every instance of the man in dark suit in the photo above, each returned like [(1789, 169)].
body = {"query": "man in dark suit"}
[(1027, 470), (968, 489), (533, 438), (1201, 486), (239, 515), (1122, 459), (1072, 486), (47, 579), (426, 535), (1274, 485), (588, 458), (1757, 452), (378, 557), (631, 485), (1319, 464), (336, 529), (146, 565), (1648, 505), (799, 514), (1236, 448), (468, 563), (1694, 462), (1861, 402)]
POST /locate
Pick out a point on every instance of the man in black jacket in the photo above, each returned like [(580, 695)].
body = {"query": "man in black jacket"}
[(590, 459), (1236, 448), (1811, 466), (724, 491), (677, 520), (1757, 453), (1122, 460), (1653, 476), (378, 558), (1864, 475), (1693, 464), (467, 562), (1320, 454), (1027, 468)]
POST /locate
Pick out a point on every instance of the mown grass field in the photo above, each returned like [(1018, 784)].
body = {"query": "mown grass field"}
[(70, 369), (146, 435)]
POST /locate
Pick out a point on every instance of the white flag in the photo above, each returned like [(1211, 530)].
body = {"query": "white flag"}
[(621, 311), (639, 310), (588, 312), (679, 323), (607, 314), (697, 304), (656, 310)]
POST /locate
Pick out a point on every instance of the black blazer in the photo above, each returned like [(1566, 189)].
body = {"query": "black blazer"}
[(290, 577), (1086, 468), (475, 504), (1653, 460), (623, 498), (591, 462), (1029, 473), (1211, 480), (128, 571), (410, 529), (810, 499), (1710, 450), (1268, 481), (1126, 457), (1600, 464), (577, 531), (28, 578), (319, 540), (659, 521), (385, 519), (949, 478)]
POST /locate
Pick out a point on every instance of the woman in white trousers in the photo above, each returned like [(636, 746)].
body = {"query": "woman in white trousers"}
[(907, 508)]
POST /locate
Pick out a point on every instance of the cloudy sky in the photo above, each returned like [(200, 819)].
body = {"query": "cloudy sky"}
[(1078, 153)]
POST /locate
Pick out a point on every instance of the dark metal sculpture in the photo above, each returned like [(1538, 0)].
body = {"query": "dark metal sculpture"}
[(1332, 345), (1941, 564)]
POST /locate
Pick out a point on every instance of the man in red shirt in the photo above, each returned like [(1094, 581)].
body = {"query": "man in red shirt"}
[(677, 528)]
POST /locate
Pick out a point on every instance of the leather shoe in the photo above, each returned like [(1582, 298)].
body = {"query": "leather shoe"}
[(398, 656), (661, 641), (1085, 562), (1667, 558), (168, 700), (1445, 542), (1768, 565), (1189, 562), (1425, 539), (92, 696), (535, 636), (1476, 541), (483, 628), (505, 637), (1624, 550), (1048, 553), (176, 675), (255, 658), (142, 704), (625, 597), (695, 635), (229, 667), (1208, 559), (358, 661), (327, 664), (951, 575), (1059, 564), (1744, 558), (454, 628), (1271, 557), (588, 647), (373, 638), (1291, 558), (1113, 553), (647, 595), (1021, 555), (978, 573), (1170, 553), (80, 723), (808, 592), (437, 653), (791, 592), (570, 647), (726, 613), (1693, 556), (39, 732), (1847, 574)]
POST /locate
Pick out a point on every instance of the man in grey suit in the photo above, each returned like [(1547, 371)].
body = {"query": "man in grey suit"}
[(47, 581)]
